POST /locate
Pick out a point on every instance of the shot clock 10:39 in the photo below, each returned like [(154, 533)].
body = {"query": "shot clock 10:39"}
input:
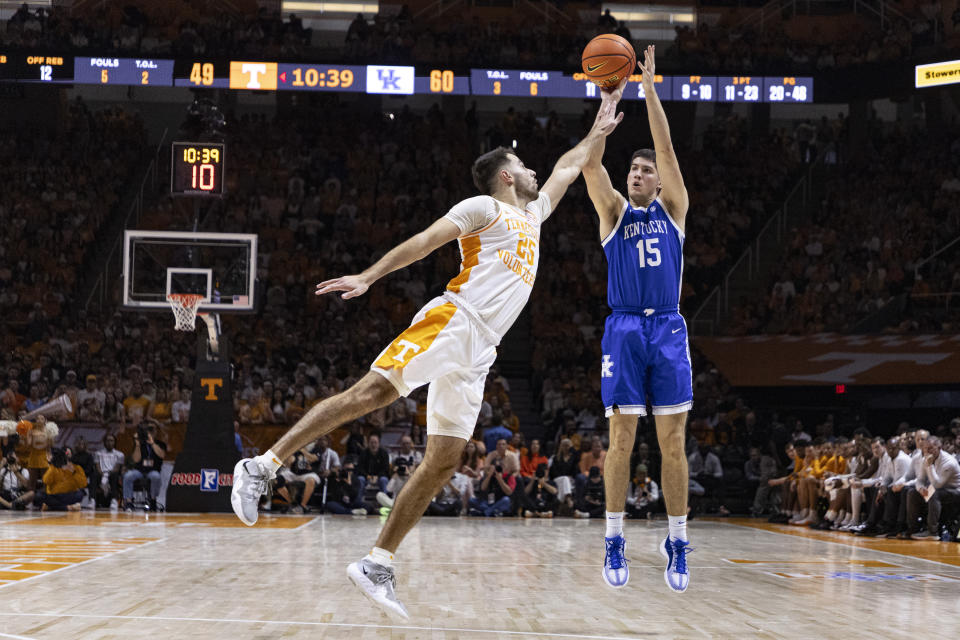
[(196, 169)]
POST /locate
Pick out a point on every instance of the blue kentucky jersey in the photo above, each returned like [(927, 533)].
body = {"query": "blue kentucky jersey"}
[(644, 260)]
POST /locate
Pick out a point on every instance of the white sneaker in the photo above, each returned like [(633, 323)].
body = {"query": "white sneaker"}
[(384, 500), (581, 514), (114, 505), (359, 512), (249, 483), (378, 583)]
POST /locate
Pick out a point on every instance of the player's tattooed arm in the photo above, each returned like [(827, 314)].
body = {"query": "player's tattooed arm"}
[(416, 248), (673, 192), (570, 164), (606, 200)]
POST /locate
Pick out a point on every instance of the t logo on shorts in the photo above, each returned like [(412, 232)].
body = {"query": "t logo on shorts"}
[(606, 366), (407, 346)]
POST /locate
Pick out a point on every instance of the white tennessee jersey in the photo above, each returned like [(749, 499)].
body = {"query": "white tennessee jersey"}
[(499, 253)]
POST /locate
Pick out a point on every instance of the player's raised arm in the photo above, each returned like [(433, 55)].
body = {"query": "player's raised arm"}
[(673, 192), (606, 200), (569, 165), (416, 248)]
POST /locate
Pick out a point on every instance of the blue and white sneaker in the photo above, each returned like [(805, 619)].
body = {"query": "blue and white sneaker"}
[(676, 574), (615, 571)]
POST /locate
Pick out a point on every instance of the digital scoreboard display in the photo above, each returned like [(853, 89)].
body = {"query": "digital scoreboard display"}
[(399, 80), (197, 169)]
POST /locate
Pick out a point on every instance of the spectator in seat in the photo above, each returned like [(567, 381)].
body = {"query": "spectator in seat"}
[(146, 458), (590, 503), (496, 432), (328, 461), (643, 495), (706, 473), (564, 468), (344, 491), (509, 418), (759, 470), (595, 457), (91, 401), (108, 470), (13, 483), (136, 406), (374, 465), (162, 409), (938, 484), (35, 401), (299, 468), (180, 409), (496, 488), (540, 494), (531, 460), (64, 482)]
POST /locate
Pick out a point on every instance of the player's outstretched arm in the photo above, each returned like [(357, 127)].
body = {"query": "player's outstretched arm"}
[(416, 248), (569, 165), (606, 200), (673, 192)]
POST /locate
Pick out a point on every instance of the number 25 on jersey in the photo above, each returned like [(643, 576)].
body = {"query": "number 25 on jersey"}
[(649, 253)]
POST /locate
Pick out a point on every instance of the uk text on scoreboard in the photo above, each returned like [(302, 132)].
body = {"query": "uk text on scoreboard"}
[(257, 75)]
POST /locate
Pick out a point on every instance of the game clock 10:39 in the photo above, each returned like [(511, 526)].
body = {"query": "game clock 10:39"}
[(196, 169)]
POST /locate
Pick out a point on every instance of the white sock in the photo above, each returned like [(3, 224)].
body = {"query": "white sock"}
[(381, 556), (678, 527), (269, 461), (829, 515), (614, 523)]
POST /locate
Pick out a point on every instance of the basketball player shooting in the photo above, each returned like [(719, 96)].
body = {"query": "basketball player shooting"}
[(645, 350), (450, 344)]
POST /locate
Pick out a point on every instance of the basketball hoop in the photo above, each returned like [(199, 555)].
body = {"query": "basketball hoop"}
[(185, 307)]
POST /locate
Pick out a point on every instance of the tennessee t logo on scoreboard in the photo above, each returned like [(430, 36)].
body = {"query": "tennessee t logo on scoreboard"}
[(258, 76)]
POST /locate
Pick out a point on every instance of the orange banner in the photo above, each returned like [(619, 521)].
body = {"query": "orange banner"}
[(832, 358)]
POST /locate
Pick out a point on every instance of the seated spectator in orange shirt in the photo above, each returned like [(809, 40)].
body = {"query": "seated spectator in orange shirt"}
[(510, 419), (161, 408), (595, 457), (531, 460)]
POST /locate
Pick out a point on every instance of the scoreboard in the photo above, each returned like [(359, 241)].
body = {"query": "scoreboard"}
[(261, 75)]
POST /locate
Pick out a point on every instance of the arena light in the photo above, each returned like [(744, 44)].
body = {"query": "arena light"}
[(331, 7)]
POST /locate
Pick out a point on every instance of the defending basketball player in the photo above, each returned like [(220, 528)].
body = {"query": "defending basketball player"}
[(450, 344), (645, 351)]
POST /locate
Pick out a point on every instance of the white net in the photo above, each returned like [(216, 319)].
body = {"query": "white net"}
[(185, 307)]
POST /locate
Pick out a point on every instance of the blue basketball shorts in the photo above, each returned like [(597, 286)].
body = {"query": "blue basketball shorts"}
[(646, 358)]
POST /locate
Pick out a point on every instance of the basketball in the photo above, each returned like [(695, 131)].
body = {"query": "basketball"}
[(607, 59)]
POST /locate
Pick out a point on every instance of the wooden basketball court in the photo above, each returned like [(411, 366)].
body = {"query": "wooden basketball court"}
[(103, 575)]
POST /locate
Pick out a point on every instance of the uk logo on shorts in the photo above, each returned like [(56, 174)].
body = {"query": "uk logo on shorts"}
[(606, 367), (209, 479)]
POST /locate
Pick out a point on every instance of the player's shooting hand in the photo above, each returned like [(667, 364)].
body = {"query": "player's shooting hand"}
[(613, 94), (648, 67), (352, 286)]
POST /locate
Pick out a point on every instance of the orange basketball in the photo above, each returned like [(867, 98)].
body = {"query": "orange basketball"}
[(608, 59)]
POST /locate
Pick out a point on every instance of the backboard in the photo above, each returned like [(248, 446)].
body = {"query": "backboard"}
[(222, 267)]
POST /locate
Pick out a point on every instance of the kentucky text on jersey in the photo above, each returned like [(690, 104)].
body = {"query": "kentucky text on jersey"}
[(645, 228)]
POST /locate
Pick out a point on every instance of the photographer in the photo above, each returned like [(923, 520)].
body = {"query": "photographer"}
[(64, 481), (345, 491), (540, 495), (13, 479), (642, 495), (493, 496), (147, 458)]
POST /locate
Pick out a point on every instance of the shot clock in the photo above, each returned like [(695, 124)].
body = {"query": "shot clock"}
[(196, 169)]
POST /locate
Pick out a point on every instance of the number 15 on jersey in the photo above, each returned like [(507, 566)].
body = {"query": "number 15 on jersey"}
[(649, 253)]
